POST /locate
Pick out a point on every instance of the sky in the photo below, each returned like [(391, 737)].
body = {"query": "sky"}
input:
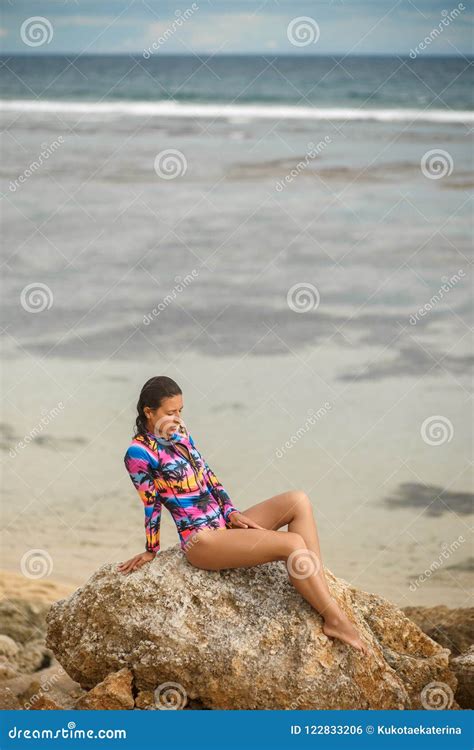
[(235, 26)]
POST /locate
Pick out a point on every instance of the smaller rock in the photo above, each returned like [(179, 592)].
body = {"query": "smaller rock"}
[(451, 628), (145, 699), (53, 681), (20, 684), (34, 656), (45, 703), (7, 670), (114, 693), (8, 648), (30, 694), (8, 700), (23, 620), (463, 668)]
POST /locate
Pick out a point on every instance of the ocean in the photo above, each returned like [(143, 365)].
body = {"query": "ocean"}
[(290, 238)]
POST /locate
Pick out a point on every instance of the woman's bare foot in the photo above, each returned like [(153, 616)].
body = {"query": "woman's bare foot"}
[(341, 627)]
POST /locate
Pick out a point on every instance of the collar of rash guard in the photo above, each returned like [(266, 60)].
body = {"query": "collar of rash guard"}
[(174, 436)]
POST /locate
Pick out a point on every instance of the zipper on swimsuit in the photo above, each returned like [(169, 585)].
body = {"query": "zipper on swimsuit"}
[(191, 461)]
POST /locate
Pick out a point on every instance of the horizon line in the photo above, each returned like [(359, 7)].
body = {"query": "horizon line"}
[(294, 55)]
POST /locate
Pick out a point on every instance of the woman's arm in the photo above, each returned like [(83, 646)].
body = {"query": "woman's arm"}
[(216, 487), (138, 466)]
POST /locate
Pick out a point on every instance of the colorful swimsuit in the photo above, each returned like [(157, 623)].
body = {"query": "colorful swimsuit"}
[(180, 479)]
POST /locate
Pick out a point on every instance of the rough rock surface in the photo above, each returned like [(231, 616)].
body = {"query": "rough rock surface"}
[(239, 639), (452, 628), (22, 620), (9, 651), (113, 694), (45, 703), (8, 700), (463, 668), (30, 676), (52, 681)]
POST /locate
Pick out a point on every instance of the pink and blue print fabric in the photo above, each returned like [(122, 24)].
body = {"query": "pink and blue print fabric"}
[(173, 473)]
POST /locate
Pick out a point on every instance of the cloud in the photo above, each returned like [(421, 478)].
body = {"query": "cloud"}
[(212, 31), (102, 21), (240, 26)]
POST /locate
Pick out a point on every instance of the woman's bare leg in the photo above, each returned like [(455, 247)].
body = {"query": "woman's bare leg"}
[(293, 508), (236, 548)]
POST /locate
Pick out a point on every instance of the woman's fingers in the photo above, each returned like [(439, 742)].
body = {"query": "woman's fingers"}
[(252, 524), (127, 566), (255, 525), (246, 523), (128, 569)]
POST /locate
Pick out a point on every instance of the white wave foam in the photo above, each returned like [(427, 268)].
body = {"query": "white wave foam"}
[(234, 112)]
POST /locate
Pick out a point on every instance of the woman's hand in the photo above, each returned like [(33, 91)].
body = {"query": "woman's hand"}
[(240, 521), (136, 562)]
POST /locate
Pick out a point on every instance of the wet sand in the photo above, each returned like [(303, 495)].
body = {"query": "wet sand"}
[(362, 462)]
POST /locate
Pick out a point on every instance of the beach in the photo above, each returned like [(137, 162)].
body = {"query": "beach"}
[(303, 275), (83, 511)]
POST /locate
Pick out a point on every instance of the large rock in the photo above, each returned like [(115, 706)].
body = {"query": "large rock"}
[(240, 639), (452, 628)]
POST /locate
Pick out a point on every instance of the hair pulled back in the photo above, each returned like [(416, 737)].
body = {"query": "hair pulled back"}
[(152, 394)]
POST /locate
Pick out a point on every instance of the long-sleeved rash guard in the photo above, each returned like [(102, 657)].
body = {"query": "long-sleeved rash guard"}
[(174, 474)]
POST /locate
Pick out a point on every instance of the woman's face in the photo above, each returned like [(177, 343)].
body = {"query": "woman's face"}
[(164, 420)]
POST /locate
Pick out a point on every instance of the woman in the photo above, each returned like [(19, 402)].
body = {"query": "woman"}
[(167, 469)]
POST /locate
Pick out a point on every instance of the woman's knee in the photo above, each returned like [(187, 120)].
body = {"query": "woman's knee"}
[(291, 542), (300, 497), (299, 503)]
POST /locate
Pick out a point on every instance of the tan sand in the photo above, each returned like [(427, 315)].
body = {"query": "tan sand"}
[(46, 590), (68, 498)]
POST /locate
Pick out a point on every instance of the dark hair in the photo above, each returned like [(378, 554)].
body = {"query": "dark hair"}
[(152, 394)]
